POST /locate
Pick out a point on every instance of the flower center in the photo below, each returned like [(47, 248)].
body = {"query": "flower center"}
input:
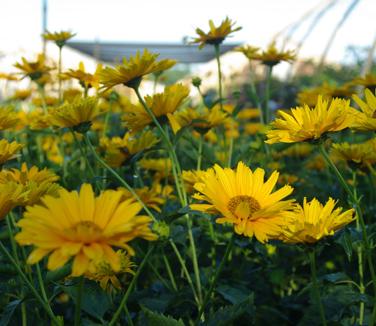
[(243, 206), (86, 232)]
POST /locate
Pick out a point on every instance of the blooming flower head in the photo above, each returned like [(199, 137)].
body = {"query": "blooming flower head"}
[(369, 81), (272, 56), (162, 104), (131, 71), (11, 195), (161, 167), (35, 70), (216, 35), (313, 221), (108, 279), (78, 114), (85, 79), (305, 123), (60, 38), (8, 117), (249, 51), (191, 177), (366, 119), (8, 151), (118, 150), (83, 227), (243, 199), (36, 183)]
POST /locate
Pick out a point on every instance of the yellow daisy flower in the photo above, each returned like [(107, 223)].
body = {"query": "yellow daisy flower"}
[(131, 71), (369, 81), (83, 227), (242, 198), (305, 124), (272, 56), (191, 177), (314, 221), (8, 151), (249, 51), (35, 70), (161, 166), (8, 118), (366, 119), (36, 183), (216, 35), (357, 155), (248, 114), (85, 79), (60, 38), (11, 195), (78, 115), (162, 104)]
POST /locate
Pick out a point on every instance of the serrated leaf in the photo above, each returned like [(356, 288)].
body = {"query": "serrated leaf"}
[(157, 319)]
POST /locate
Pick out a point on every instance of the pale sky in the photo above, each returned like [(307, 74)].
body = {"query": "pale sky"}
[(171, 20)]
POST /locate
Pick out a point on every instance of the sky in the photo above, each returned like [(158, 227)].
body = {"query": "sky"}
[(171, 20)]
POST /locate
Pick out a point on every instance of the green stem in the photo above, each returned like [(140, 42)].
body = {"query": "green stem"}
[(118, 177), (169, 272), (77, 313), (43, 303), (217, 56), (129, 318), (199, 152), (316, 290), (41, 283), (358, 210), (23, 314), (215, 279), (267, 93), (130, 288)]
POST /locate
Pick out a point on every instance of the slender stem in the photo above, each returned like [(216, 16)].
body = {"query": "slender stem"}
[(77, 313), (199, 152), (44, 304), (41, 283), (118, 177), (23, 314), (169, 272), (230, 150), (217, 56), (355, 202), (129, 318), (316, 290), (267, 93), (130, 288), (59, 78), (215, 279)]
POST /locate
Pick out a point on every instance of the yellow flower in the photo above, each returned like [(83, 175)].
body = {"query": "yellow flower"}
[(242, 198), (8, 151), (103, 273), (216, 35), (85, 79), (8, 118), (358, 155), (9, 77), (365, 120), (191, 177), (35, 70), (272, 56), (153, 197), (162, 105), (11, 195), (253, 128), (60, 38), (21, 94), (47, 100), (38, 119), (83, 227), (202, 121), (313, 221), (249, 51), (161, 166), (70, 94), (78, 115), (118, 150), (131, 71), (369, 81), (50, 146), (36, 183), (248, 114), (305, 124)]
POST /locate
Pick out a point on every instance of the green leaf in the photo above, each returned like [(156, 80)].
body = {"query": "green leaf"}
[(156, 319), (232, 294), (8, 312), (335, 277), (58, 274)]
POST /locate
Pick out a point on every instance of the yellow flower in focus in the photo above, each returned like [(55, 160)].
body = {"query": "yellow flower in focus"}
[(118, 150), (8, 118), (305, 124), (131, 71), (365, 120), (272, 56), (216, 35), (11, 195), (191, 177), (161, 166), (36, 183), (153, 197), (60, 38), (83, 227), (242, 198), (35, 70), (78, 115), (8, 151), (314, 221), (103, 273), (162, 104), (357, 155), (85, 79)]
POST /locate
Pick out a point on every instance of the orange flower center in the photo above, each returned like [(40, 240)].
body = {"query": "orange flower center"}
[(243, 206), (86, 232)]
